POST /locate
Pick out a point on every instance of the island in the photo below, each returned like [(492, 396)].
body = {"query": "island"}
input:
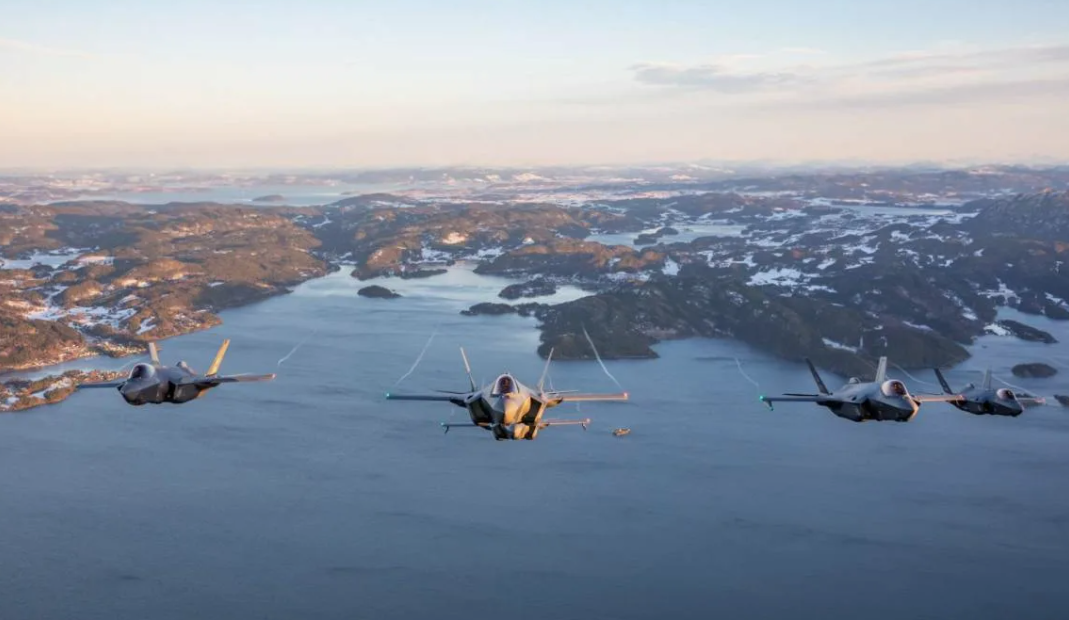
[(539, 287), (1026, 332), (271, 198), (377, 292), (1036, 370)]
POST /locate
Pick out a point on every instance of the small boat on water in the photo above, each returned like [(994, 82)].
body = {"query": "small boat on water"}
[(620, 432)]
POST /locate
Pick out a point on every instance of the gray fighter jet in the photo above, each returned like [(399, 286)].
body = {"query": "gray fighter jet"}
[(881, 400), (508, 408), (155, 383), (983, 400)]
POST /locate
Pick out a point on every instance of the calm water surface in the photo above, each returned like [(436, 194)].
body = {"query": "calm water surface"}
[(312, 497)]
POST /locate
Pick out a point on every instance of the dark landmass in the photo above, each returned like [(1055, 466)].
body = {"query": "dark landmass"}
[(655, 236), (539, 287), (137, 273), (489, 308), (272, 198), (415, 274), (1031, 216), (625, 323), (570, 258), (1026, 332), (377, 292), (22, 394), (1035, 370), (1063, 399)]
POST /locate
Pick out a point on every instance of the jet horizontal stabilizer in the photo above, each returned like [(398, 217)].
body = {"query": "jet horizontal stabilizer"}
[(108, 384)]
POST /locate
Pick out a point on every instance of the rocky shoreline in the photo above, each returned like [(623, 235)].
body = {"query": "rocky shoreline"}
[(23, 394), (800, 279)]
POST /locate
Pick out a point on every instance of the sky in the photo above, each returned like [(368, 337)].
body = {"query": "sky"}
[(353, 83)]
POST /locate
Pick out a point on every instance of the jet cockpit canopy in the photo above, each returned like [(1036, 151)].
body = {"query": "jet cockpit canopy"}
[(142, 371), (894, 388)]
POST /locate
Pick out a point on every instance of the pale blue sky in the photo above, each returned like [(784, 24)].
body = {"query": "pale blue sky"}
[(508, 82)]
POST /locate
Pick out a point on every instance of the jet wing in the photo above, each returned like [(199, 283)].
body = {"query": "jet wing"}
[(938, 398), (789, 398), (562, 397), (459, 399), (547, 423), (108, 384), (206, 382)]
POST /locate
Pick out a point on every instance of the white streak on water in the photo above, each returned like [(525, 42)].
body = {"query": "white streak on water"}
[(296, 347), (418, 358), (598, 357)]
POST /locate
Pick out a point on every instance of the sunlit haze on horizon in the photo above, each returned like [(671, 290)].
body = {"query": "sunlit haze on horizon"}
[(419, 82)]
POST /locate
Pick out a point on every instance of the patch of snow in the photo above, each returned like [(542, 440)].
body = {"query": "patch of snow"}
[(53, 259), (527, 177), (1055, 300), (838, 345), (146, 326), (1002, 290), (95, 259), (433, 256), (454, 238), (671, 268), (996, 329), (860, 247), (778, 277)]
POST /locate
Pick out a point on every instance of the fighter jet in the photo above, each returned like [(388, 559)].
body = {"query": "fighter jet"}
[(881, 400), (508, 408), (983, 400), (155, 383)]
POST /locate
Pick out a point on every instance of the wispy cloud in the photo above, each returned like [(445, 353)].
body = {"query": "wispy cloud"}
[(911, 78), (713, 76), (995, 91), (25, 47), (989, 60)]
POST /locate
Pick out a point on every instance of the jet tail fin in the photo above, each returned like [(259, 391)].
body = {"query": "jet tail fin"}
[(545, 372), (943, 382), (986, 385), (467, 368), (154, 353), (816, 377), (218, 361), (881, 370)]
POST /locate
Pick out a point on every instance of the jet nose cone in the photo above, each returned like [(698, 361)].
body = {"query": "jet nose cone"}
[(1011, 407), (512, 407), (129, 392)]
